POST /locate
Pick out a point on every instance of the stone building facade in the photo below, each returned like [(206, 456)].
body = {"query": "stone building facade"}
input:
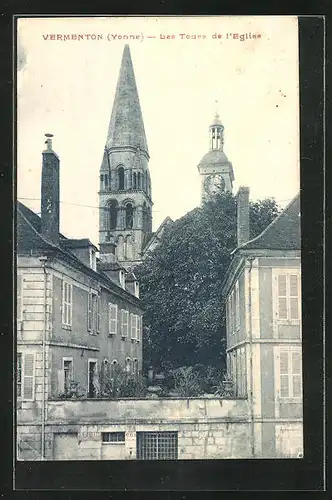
[(73, 318), (264, 346)]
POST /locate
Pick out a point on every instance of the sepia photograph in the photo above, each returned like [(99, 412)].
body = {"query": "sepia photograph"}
[(158, 239)]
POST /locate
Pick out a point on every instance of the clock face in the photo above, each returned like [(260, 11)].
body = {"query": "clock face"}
[(214, 184)]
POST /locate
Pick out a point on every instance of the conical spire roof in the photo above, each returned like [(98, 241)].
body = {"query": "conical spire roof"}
[(126, 126)]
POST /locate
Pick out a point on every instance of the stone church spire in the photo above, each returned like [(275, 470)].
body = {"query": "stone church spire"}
[(126, 126), (125, 223)]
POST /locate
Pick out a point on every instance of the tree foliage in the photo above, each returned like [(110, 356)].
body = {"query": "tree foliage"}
[(181, 283)]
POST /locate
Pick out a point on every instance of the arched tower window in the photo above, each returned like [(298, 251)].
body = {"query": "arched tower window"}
[(113, 214), (144, 181), (145, 218), (106, 182), (129, 216), (139, 180), (121, 178), (134, 180)]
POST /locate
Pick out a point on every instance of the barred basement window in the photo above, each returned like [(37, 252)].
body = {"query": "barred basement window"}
[(113, 437), (157, 445)]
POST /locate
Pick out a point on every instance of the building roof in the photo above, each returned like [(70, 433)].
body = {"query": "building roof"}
[(78, 243), (30, 239), (153, 237), (126, 126), (214, 157), (284, 233)]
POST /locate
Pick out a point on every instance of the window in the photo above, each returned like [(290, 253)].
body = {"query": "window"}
[(67, 300), (112, 318), (67, 364), (139, 328), (287, 297), (134, 324), (128, 365), (122, 279), (135, 367), (26, 376), (92, 378), (289, 372), (136, 289), (121, 178), (19, 303), (93, 259), (93, 312), (19, 375), (233, 310), (237, 306), (157, 445), (124, 323), (134, 180), (113, 437), (129, 216), (113, 214), (114, 366)]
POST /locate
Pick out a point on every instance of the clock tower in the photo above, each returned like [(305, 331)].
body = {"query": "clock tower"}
[(215, 170)]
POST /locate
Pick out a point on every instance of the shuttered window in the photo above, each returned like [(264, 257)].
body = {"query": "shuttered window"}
[(133, 326), (67, 300), (26, 376), (19, 375), (139, 328), (290, 372), (124, 323), (93, 312), (19, 298), (288, 297), (112, 318), (237, 306)]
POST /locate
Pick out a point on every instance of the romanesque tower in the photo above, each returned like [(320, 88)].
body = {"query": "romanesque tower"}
[(125, 186), (215, 170)]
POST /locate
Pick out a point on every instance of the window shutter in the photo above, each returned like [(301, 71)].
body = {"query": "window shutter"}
[(112, 318), (28, 376), (19, 375), (70, 303), (296, 374), (90, 311), (19, 298), (237, 305), (284, 374), (98, 314), (282, 296), (294, 296)]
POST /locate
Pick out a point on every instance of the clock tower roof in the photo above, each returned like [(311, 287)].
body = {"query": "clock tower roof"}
[(214, 157)]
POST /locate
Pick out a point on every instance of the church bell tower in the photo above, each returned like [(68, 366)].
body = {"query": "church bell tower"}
[(215, 170), (125, 201)]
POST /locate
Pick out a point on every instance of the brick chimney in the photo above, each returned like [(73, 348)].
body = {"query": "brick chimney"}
[(50, 193), (242, 215)]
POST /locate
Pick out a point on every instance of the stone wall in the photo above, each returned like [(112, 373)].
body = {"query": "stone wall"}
[(206, 428)]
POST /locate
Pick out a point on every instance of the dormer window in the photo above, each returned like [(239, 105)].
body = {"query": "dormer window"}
[(136, 289), (93, 259), (122, 279)]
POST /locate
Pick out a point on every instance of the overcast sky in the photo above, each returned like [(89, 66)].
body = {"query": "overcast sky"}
[(67, 88)]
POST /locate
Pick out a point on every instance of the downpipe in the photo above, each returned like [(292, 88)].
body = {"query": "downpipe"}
[(43, 262), (251, 259)]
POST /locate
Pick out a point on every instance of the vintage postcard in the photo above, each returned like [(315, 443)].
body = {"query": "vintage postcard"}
[(158, 239)]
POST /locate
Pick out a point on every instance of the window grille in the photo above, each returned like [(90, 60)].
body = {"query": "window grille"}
[(157, 445), (113, 437)]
